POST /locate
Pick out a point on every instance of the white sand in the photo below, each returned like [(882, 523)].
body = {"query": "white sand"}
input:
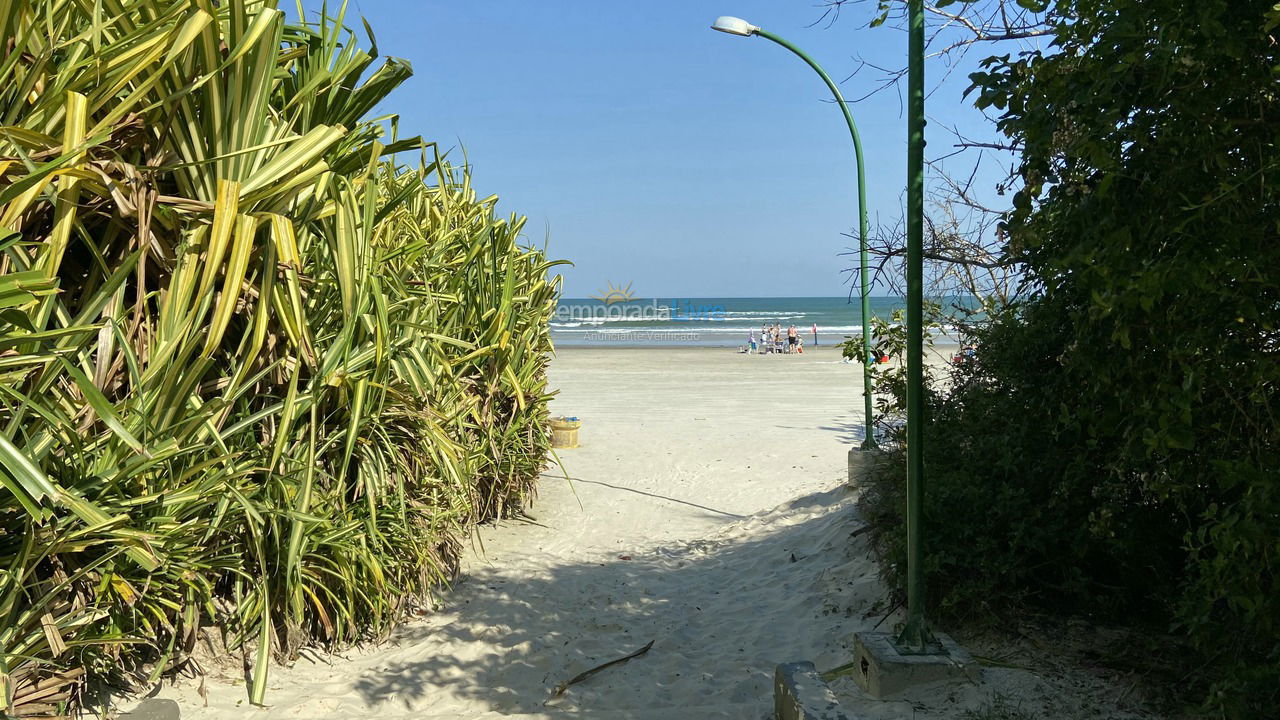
[(707, 513)]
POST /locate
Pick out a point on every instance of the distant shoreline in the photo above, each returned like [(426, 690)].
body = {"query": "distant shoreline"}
[(941, 349), (560, 344), (716, 322)]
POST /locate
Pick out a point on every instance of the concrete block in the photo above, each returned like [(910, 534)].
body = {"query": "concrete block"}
[(800, 694), (882, 671), (857, 466), (153, 709)]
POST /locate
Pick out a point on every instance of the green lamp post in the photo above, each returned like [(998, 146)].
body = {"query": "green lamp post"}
[(915, 637), (737, 26)]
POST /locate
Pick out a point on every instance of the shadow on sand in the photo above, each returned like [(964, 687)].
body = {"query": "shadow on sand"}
[(668, 498), (722, 612), (849, 433)]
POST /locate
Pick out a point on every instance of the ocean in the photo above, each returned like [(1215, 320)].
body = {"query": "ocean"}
[(713, 322)]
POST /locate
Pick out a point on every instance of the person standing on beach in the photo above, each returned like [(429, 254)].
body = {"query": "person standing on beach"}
[(815, 334), (791, 339)]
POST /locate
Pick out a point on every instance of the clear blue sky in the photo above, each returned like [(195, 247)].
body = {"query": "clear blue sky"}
[(650, 149)]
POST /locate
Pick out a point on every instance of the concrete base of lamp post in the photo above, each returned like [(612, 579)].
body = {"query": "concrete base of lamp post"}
[(860, 464), (881, 671)]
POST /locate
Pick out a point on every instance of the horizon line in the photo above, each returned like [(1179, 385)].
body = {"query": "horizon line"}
[(750, 297)]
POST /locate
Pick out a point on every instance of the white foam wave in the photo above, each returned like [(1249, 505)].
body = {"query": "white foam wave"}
[(677, 328)]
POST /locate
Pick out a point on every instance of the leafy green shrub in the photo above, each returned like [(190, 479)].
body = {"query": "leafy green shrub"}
[(256, 374), (1114, 447)]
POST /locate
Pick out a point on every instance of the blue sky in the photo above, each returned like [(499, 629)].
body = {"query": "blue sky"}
[(647, 148)]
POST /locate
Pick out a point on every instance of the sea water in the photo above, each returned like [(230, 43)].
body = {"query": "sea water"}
[(716, 322)]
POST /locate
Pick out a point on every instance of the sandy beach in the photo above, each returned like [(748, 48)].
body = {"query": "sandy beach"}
[(706, 511)]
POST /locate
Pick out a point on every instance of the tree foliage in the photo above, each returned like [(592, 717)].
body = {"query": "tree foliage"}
[(1115, 446)]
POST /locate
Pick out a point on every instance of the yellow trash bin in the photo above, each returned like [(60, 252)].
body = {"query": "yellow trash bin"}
[(564, 432)]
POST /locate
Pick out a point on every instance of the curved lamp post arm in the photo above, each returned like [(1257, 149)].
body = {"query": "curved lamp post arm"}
[(869, 442)]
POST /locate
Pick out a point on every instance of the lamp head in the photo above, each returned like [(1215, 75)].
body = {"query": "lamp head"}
[(734, 26)]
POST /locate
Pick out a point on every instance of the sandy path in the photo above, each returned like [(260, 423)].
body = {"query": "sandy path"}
[(708, 514), (702, 474)]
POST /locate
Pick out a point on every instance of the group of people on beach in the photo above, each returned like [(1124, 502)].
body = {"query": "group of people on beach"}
[(773, 339)]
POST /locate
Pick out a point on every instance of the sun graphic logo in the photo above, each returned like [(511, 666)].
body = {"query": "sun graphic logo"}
[(616, 295)]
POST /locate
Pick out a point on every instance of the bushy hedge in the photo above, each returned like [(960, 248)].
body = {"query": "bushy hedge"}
[(255, 373), (1115, 446)]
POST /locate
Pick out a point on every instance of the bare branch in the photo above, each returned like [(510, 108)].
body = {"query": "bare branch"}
[(965, 250), (951, 259)]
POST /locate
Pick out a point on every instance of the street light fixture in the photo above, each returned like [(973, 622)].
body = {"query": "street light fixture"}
[(734, 26), (738, 26)]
